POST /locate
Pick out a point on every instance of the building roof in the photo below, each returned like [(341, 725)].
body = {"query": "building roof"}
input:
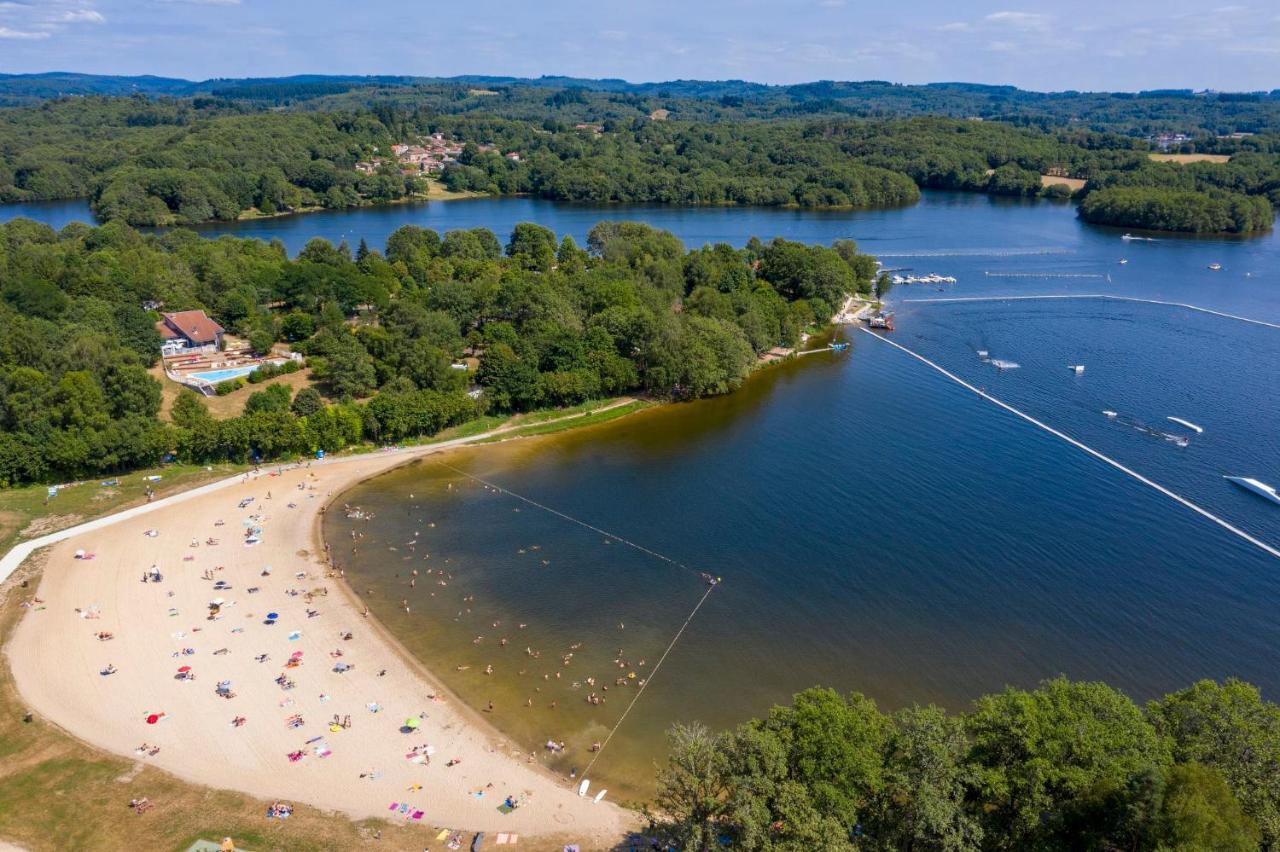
[(196, 326)]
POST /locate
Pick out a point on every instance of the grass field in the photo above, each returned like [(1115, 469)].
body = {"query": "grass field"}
[(28, 512), (1074, 183), (1190, 158)]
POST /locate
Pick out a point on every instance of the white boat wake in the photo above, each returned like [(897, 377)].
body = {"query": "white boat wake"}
[(1193, 427)]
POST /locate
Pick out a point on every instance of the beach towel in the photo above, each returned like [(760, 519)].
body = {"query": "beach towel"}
[(504, 808), (417, 814), (444, 832), (404, 808), (394, 806)]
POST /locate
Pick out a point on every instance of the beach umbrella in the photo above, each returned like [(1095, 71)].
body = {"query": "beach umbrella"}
[(413, 723), (184, 669), (273, 615), (153, 718)]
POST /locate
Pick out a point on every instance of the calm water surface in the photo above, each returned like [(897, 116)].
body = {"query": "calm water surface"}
[(877, 527)]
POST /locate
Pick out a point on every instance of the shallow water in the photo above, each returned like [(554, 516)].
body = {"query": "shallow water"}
[(878, 528)]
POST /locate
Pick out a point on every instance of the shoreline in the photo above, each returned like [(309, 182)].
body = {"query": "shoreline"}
[(77, 700)]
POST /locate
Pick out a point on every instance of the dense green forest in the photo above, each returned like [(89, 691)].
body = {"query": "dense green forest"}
[(1177, 210), (184, 161), (1066, 766), (548, 323), (1206, 114)]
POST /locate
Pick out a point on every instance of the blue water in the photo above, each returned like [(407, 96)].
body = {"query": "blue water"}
[(878, 527), (216, 376)]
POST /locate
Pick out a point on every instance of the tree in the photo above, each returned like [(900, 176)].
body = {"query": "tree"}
[(926, 779), (270, 398), (1229, 728), (307, 402), (1035, 752), (1200, 813), (692, 788), (189, 410), (532, 246), (131, 391)]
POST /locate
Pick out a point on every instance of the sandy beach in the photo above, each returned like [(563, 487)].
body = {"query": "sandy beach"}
[(288, 676)]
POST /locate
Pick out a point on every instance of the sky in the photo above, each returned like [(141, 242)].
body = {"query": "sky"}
[(1118, 45)]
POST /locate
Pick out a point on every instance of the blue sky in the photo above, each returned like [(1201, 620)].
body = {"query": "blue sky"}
[(1088, 44)]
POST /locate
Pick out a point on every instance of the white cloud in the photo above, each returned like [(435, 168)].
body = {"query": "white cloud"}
[(45, 19), (76, 16), (5, 32), (955, 27), (1030, 21)]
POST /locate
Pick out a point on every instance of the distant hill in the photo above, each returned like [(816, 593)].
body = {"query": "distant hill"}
[(576, 99)]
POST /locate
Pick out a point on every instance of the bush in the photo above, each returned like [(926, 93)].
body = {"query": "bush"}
[(229, 386)]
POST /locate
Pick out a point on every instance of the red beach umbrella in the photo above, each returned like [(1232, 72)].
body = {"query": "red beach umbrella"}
[(184, 669), (153, 718)]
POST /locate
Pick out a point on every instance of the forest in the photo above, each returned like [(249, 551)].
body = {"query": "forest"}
[(571, 99), (539, 322), (164, 161), (1065, 766)]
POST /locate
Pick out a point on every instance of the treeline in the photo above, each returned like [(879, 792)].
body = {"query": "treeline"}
[(537, 322), (173, 162), (1207, 114), (152, 163), (1177, 210), (1066, 766)]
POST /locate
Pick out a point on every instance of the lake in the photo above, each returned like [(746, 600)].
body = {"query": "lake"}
[(877, 527)]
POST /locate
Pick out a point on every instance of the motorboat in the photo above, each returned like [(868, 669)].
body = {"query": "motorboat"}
[(1215, 266), (1262, 489)]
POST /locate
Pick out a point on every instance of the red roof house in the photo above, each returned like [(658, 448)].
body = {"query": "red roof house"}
[(193, 327)]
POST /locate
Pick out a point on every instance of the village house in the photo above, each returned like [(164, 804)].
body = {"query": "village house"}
[(187, 330)]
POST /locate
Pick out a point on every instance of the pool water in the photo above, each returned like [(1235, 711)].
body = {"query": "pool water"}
[(215, 376)]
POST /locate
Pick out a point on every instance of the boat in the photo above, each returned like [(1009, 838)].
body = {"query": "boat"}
[(1193, 427), (1262, 489), (1215, 266), (839, 347), (583, 787), (1108, 412), (1078, 368), (1123, 261)]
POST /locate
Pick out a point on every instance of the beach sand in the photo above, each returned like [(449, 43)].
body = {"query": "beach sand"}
[(56, 660)]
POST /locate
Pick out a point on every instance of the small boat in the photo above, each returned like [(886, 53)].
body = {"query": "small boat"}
[(583, 787), (839, 347), (982, 353), (1123, 261), (1193, 427), (1215, 266), (599, 796), (1078, 368), (1262, 489), (1108, 413)]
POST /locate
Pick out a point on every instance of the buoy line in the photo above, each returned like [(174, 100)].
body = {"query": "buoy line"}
[(649, 679), (1100, 296), (1234, 530)]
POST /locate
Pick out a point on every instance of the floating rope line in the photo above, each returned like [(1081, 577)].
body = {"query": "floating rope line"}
[(950, 252), (1045, 275), (1101, 296), (1258, 543), (654, 671), (573, 520), (649, 679)]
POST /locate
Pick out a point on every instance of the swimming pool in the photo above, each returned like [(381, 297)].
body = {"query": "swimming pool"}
[(215, 376)]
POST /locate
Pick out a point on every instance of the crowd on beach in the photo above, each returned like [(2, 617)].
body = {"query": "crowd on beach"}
[(261, 626)]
